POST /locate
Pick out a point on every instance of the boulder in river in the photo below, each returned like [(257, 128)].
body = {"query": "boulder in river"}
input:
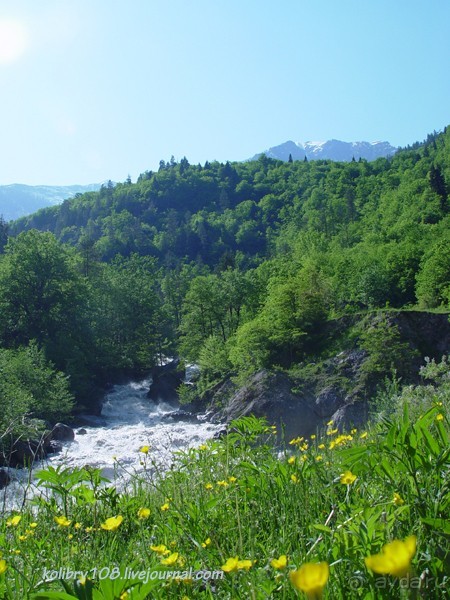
[(62, 433), (24, 453), (166, 381), (4, 478), (180, 415)]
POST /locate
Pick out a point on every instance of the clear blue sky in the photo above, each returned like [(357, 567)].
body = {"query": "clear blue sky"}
[(98, 89)]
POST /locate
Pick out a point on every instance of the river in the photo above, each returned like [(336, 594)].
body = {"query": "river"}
[(128, 422)]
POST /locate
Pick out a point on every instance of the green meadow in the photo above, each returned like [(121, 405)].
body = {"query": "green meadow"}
[(340, 515)]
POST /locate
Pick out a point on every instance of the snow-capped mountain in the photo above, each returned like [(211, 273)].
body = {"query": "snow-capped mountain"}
[(329, 150), (18, 200)]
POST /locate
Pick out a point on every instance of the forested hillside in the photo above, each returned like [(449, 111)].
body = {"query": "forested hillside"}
[(235, 266)]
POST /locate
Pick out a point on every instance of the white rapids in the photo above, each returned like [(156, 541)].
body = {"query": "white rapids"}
[(128, 422)]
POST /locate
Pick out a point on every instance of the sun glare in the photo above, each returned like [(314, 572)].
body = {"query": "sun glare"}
[(13, 40)]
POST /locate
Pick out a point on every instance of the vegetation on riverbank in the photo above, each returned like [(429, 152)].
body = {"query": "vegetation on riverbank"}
[(236, 267), (237, 506)]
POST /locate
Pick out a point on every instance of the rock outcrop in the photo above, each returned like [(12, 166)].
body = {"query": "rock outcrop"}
[(338, 388), (23, 453), (295, 411)]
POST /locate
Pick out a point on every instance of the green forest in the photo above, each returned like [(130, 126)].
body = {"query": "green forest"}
[(234, 266)]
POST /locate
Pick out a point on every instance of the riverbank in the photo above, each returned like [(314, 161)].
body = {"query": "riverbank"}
[(236, 506)]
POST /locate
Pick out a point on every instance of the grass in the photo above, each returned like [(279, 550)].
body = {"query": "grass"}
[(237, 503)]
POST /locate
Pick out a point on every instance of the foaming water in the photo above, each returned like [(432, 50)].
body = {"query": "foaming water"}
[(128, 422)]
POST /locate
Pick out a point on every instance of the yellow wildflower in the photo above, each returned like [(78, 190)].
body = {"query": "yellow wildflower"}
[(88, 529), (347, 478), (143, 513), (206, 543), (398, 500), (291, 460), (161, 549), (112, 524), (244, 564), (165, 506), (319, 457), (3, 566), (313, 436), (321, 446), (279, 563), (33, 525), (62, 521), (209, 486), (232, 479), (22, 538), (363, 435), (234, 564), (170, 560), (231, 565), (124, 595), (77, 525), (296, 441), (394, 559), (294, 478), (203, 447), (311, 578), (440, 417), (13, 521), (330, 423), (223, 483), (144, 449)]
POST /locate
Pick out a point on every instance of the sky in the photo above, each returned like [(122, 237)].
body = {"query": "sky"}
[(92, 90)]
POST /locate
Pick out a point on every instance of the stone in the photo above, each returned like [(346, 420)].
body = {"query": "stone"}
[(62, 433), (4, 478), (166, 381)]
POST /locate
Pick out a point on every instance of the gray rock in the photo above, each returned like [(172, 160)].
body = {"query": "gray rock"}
[(62, 433), (53, 447), (23, 453), (328, 401), (351, 415), (166, 380), (270, 395), (180, 415), (4, 478)]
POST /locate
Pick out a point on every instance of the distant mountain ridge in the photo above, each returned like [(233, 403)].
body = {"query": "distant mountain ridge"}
[(330, 150), (18, 200)]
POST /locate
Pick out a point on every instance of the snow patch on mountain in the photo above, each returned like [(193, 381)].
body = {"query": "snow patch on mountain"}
[(329, 150)]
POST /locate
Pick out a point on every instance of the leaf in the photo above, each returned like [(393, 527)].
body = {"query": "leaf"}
[(53, 596), (323, 528), (442, 525), (386, 467), (431, 443)]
